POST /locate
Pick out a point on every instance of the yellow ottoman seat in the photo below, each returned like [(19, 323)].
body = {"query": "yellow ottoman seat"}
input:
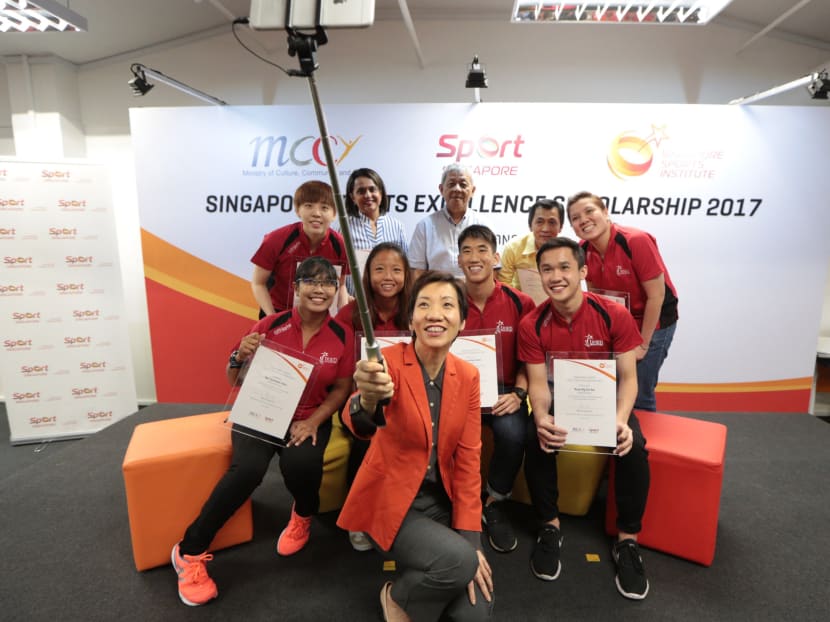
[(578, 474)]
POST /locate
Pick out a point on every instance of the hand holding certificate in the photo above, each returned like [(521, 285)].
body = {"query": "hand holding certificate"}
[(585, 400), (479, 347), (274, 383)]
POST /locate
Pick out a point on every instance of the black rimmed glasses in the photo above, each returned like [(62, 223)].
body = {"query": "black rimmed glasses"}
[(321, 283)]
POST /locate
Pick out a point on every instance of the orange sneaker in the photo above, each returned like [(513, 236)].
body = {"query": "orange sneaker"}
[(195, 586), (295, 535)]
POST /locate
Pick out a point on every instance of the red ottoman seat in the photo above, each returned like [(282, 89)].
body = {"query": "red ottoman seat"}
[(686, 459)]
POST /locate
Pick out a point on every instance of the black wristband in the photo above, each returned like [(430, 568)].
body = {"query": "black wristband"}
[(521, 393), (362, 420), (233, 362)]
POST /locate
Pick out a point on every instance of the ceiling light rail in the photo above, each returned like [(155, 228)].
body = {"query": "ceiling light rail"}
[(141, 86), (817, 83)]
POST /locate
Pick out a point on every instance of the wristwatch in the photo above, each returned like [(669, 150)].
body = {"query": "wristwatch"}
[(233, 362), (521, 393)]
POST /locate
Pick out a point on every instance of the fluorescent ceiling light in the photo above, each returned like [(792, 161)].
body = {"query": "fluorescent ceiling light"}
[(642, 12), (39, 16)]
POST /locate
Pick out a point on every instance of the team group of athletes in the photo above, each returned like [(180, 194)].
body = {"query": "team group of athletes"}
[(416, 494)]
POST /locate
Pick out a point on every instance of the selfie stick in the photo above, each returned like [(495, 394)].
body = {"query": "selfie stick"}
[(304, 46)]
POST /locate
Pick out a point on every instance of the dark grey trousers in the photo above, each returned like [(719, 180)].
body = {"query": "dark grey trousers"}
[(435, 564)]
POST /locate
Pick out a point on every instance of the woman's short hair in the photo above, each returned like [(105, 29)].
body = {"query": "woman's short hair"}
[(313, 192), (315, 267), (434, 276), (596, 200)]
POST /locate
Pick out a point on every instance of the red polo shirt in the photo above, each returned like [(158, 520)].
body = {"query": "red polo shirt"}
[(331, 347), (284, 248), (631, 258), (503, 310), (599, 325)]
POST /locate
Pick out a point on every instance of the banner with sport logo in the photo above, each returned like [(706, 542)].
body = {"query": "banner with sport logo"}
[(728, 191), (66, 369)]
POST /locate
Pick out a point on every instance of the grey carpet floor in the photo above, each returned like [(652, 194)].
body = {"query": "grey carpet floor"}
[(65, 544)]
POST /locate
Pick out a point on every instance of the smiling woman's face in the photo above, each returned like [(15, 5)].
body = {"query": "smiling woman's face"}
[(367, 196), (436, 318)]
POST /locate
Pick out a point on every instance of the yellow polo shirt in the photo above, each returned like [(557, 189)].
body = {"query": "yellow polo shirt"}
[(520, 252)]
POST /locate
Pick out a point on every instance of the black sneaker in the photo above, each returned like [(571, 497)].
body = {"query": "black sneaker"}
[(545, 562), (499, 532), (631, 574)]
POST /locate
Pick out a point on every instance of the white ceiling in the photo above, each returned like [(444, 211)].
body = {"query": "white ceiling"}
[(117, 27)]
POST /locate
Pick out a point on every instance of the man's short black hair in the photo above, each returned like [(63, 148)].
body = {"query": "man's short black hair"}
[(562, 242)]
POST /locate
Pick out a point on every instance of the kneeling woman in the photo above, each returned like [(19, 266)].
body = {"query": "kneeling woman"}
[(310, 329), (418, 492)]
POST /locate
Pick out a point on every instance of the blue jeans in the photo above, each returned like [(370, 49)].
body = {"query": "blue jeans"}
[(509, 436), (649, 367)]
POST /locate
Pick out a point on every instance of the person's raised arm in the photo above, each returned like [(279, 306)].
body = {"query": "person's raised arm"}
[(373, 385)]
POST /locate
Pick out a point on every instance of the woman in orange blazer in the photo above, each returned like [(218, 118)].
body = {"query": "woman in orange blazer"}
[(418, 493)]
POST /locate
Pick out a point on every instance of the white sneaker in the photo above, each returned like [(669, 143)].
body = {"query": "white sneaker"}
[(360, 541)]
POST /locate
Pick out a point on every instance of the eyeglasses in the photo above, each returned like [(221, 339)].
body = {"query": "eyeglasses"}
[(324, 283)]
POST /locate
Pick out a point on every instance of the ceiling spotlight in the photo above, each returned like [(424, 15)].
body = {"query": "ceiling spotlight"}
[(819, 85), (476, 79), (141, 86), (139, 83)]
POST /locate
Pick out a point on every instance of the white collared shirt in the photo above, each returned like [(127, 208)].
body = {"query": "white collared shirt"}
[(389, 229), (434, 245)]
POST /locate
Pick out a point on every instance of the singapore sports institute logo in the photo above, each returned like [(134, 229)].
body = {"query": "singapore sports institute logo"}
[(631, 154)]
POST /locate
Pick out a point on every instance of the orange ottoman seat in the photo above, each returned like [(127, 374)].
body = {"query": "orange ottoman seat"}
[(170, 468), (686, 458)]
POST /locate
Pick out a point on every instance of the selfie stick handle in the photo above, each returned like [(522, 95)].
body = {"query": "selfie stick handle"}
[(304, 46)]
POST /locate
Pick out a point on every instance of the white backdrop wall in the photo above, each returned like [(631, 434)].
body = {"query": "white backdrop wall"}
[(524, 64)]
